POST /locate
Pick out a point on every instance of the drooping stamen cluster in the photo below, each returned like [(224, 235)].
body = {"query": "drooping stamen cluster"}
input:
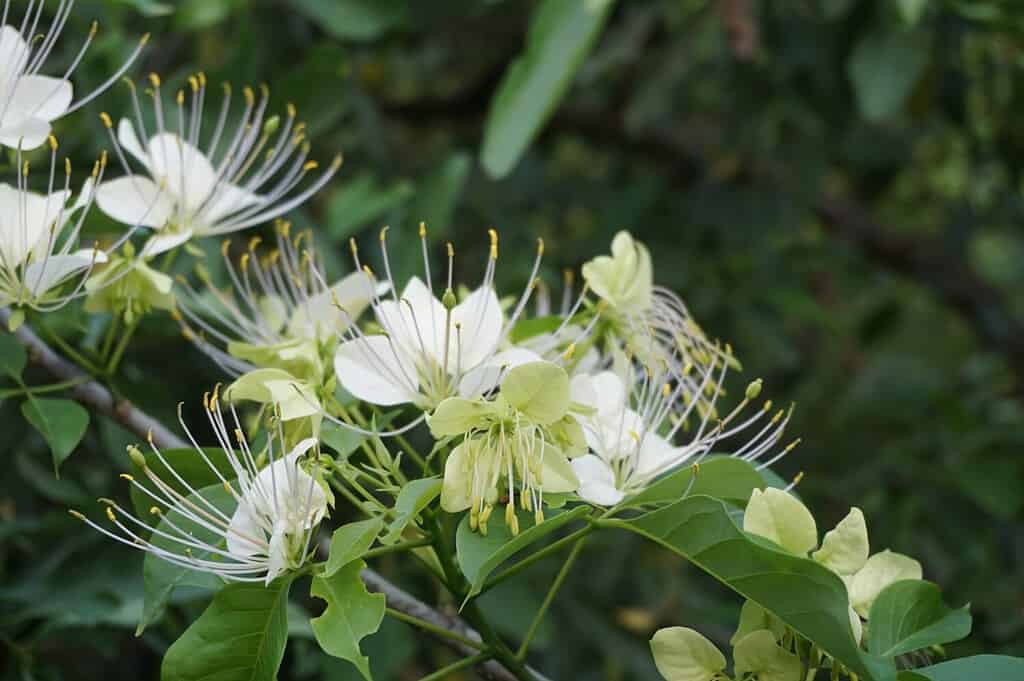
[(431, 348), (39, 237), (277, 297), (650, 422), (250, 169), (29, 102), (261, 528)]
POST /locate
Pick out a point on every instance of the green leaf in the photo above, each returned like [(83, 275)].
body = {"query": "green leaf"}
[(478, 555), (354, 19), (240, 637), (190, 467), (352, 614), (540, 390), (439, 193), (362, 201), (534, 326), (350, 542), (414, 497), (808, 597), (883, 68), (161, 578), (987, 667), (12, 356), (722, 477), (62, 423), (560, 36), (910, 615)]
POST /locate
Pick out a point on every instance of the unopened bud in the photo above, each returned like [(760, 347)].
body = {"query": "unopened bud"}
[(754, 389), (137, 457), (272, 124)]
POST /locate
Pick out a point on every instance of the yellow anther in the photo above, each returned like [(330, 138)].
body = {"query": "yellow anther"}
[(176, 314), (75, 514), (243, 262), (384, 233), (144, 39), (180, 98), (285, 228), (636, 436), (540, 247), (149, 436), (206, 401), (494, 243), (53, 142), (154, 80), (353, 246), (291, 110), (798, 478), (202, 79), (227, 89), (110, 514), (224, 247), (250, 96), (423, 230), (153, 510), (24, 169), (451, 250), (227, 487), (310, 165), (254, 242), (67, 168), (369, 272), (666, 390), (768, 406), (125, 476), (194, 82), (538, 515), (569, 351)]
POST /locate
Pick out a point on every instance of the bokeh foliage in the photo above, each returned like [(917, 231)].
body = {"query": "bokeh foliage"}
[(834, 186)]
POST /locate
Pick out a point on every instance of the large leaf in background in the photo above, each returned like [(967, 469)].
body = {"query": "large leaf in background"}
[(910, 615), (975, 668), (354, 19), (883, 69), (62, 423), (721, 477), (160, 577), (350, 542), (352, 614), (479, 555), (806, 596), (188, 464), (12, 356), (414, 497), (240, 637), (560, 37)]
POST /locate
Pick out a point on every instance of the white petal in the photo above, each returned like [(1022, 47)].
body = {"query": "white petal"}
[(161, 243), (135, 200), (44, 275), (416, 321), (481, 320), (244, 532), (227, 199), (188, 173), (375, 371), (39, 97), (320, 315), (26, 133), (485, 376), (13, 54), (129, 141), (26, 219), (657, 455), (597, 480), (277, 555)]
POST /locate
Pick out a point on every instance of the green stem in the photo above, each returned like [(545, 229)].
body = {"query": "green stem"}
[(456, 666), (122, 345), (434, 629), (66, 348), (395, 548), (411, 451), (37, 390), (552, 592), (108, 342), (540, 555)]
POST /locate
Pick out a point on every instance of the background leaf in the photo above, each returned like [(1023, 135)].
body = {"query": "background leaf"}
[(352, 613), (910, 615), (62, 423), (241, 636), (560, 36), (12, 356)]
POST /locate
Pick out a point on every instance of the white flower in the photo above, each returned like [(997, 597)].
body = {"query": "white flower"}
[(649, 321), (431, 348), (39, 239), (269, 530), (245, 175), (279, 311), (632, 428), (30, 102)]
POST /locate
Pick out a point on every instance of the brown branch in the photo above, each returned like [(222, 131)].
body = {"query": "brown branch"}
[(96, 397)]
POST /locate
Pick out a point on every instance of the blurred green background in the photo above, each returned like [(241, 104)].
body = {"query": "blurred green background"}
[(834, 186)]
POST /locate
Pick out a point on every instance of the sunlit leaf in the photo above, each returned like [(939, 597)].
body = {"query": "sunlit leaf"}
[(62, 423), (352, 614)]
